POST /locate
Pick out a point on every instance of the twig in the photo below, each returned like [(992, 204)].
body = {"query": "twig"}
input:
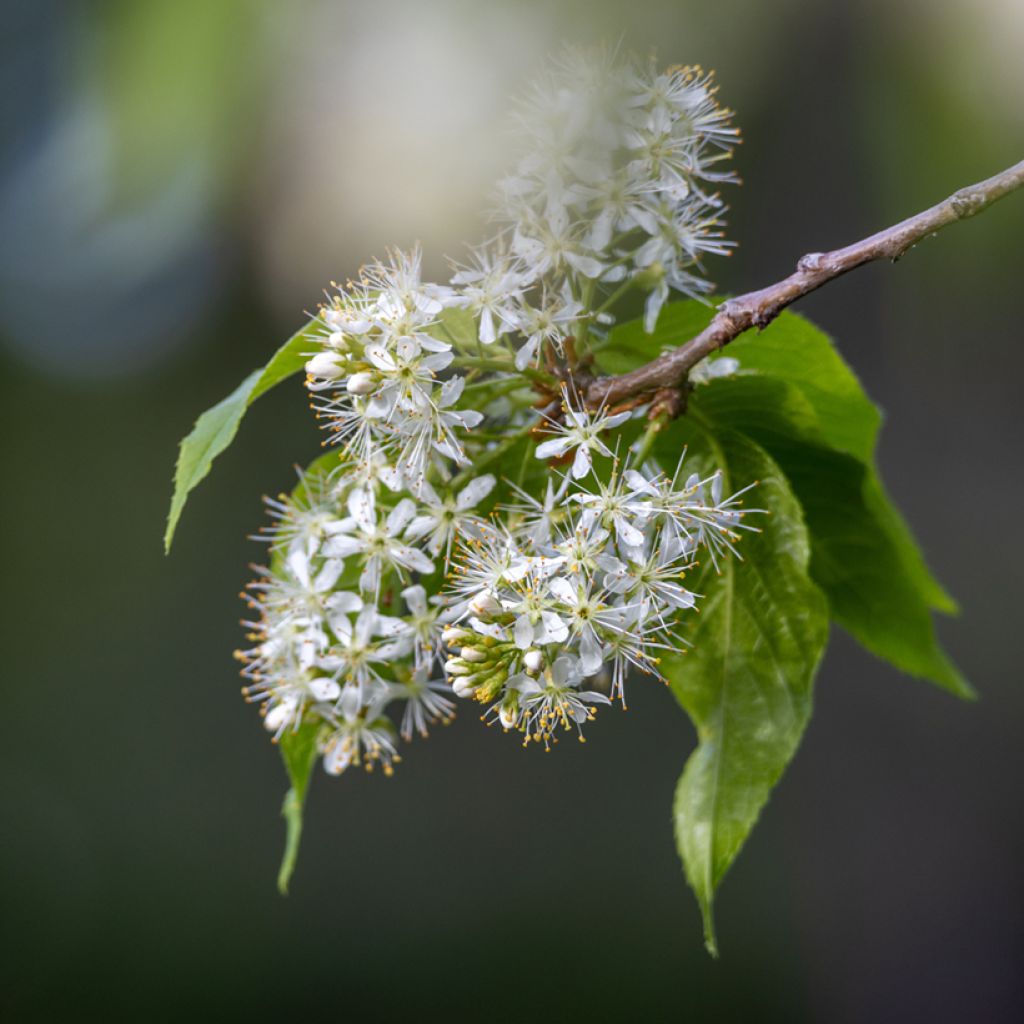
[(759, 308)]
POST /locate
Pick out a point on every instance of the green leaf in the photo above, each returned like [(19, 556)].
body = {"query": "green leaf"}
[(299, 751), (216, 428), (795, 396), (746, 683), (457, 327), (863, 556), (857, 561), (628, 345), (793, 350)]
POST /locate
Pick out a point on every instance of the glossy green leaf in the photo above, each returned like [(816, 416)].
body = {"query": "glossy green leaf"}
[(628, 345), (857, 562), (797, 398), (862, 555), (746, 682), (793, 350), (216, 428), (299, 751)]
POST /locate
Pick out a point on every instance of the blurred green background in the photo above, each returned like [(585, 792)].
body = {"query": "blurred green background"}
[(177, 182)]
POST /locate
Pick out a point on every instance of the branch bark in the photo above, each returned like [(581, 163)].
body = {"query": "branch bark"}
[(759, 308)]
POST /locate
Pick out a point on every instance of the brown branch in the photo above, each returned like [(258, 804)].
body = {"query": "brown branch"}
[(759, 308)]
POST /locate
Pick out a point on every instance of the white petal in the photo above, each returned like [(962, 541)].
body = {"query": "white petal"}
[(432, 344), (361, 508), (590, 653), (613, 421), (343, 601), (451, 391), (554, 448), (342, 546), (380, 357), (563, 590), (526, 354), (437, 361), (369, 578), (415, 598), (411, 558), (420, 526), (523, 632), (298, 564), (399, 516), (638, 483), (582, 463), (628, 533), (324, 689), (328, 575), (555, 630), (586, 265), (474, 492)]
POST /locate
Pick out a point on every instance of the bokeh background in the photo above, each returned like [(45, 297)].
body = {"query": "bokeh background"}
[(177, 182)]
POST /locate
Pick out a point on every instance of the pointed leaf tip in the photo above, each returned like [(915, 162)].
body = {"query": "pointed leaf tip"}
[(216, 428)]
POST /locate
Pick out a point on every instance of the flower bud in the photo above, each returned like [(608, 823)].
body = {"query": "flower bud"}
[(533, 661), (489, 688), (457, 667), (278, 716), (650, 277), (484, 604), (361, 383), (472, 654), (453, 635), (508, 715), (462, 687), (325, 364)]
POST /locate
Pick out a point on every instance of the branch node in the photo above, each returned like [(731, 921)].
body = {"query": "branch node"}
[(811, 263), (668, 403)]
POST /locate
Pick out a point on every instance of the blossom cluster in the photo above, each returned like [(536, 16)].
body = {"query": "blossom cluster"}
[(586, 584), (401, 576), (610, 193)]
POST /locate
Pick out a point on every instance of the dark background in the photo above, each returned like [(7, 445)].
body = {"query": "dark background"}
[(177, 181)]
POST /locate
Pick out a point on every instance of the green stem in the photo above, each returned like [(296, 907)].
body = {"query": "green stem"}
[(502, 366), (615, 295), (646, 441)]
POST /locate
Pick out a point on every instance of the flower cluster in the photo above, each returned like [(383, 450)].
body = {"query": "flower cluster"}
[(586, 583), (420, 387), (609, 194), (376, 378)]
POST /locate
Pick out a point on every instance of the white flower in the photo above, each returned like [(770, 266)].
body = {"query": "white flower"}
[(423, 624), (425, 703), (552, 701), (617, 506), (487, 287), (360, 735), (551, 243), (550, 321), (586, 613), (709, 369), (443, 519), (353, 657), (580, 431), (377, 541), (538, 517)]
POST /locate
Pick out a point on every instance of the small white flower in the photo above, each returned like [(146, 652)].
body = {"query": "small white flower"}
[(377, 541), (581, 431), (440, 521), (488, 286)]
